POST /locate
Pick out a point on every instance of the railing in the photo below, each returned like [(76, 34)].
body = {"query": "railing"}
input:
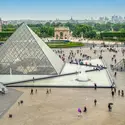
[(43, 78), (108, 73)]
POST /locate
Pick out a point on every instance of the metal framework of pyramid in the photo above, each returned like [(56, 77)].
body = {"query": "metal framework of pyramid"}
[(24, 53), (120, 65)]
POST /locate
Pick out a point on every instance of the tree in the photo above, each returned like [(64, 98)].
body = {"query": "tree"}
[(122, 30)]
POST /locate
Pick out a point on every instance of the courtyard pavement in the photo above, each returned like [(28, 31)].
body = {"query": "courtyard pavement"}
[(60, 107), (7, 100)]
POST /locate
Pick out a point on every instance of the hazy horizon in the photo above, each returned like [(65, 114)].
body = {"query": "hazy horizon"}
[(63, 10)]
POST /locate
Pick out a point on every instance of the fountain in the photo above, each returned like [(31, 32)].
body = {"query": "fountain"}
[(82, 77)]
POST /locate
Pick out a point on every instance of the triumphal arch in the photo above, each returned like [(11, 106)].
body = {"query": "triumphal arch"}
[(62, 33)]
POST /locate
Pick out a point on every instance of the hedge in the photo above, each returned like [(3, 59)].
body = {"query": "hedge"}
[(65, 45), (113, 34), (5, 35)]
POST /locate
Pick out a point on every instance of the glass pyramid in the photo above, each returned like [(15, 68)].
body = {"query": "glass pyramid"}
[(24, 53), (120, 65)]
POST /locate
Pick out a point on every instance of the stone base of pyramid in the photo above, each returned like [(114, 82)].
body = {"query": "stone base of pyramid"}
[(68, 78)]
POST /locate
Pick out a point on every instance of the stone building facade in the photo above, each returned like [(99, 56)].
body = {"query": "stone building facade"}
[(62, 33)]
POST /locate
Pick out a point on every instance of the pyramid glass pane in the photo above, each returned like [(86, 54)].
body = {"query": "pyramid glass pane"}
[(120, 65), (21, 54)]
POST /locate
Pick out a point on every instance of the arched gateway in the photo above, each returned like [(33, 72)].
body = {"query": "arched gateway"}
[(62, 33)]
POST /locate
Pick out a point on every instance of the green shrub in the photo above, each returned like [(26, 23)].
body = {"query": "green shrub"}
[(64, 44)]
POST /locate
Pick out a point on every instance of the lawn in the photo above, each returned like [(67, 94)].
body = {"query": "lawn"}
[(64, 44)]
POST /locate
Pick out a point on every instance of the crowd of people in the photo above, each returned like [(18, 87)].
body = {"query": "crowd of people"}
[(74, 56)]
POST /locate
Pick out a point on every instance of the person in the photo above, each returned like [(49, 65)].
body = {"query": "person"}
[(122, 52), (47, 91), (121, 68), (115, 74), (95, 101), (36, 91), (100, 52), (10, 115), (115, 61), (31, 92), (95, 86), (119, 92), (112, 93), (109, 107), (122, 93), (112, 58), (94, 51), (33, 79), (21, 101), (85, 109), (79, 111), (114, 89)]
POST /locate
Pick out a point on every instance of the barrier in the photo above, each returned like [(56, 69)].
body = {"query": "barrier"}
[(109, 74)]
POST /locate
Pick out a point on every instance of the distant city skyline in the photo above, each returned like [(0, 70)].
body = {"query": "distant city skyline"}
[(63, 10)]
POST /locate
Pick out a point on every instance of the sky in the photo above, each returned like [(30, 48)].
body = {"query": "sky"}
[(60, 9)]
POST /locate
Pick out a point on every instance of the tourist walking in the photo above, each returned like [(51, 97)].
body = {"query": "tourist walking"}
[(33, 79), (123, 53), (112, 93), (85, 109), (79, 111), (31, 93), (118, 92), (115, 74), (36, 91), (95, 86), (122, 93), (115, 61), (95, 101), (109, 107), (121, 68), (112, 58), (47, 91), (114, 89), (94, 51)]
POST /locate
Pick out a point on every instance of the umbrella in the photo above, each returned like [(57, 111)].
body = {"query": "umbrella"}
[(79, 110), (111, 103)]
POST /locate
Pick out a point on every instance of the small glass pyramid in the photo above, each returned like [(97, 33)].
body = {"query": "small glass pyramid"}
[(120, 65)]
